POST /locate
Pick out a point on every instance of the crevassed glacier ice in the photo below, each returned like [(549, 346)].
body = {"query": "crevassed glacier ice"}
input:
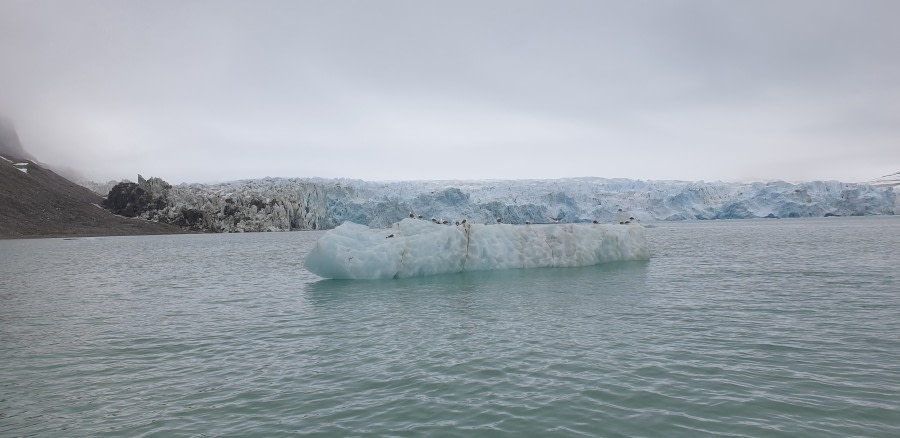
[(416, 247), (279, 204)]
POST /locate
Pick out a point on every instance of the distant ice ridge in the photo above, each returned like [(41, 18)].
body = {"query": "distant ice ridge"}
[(415, 247), (891, 180), (281, 204)]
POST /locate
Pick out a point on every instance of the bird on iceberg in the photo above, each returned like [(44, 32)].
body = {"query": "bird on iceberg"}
[(556, 219)]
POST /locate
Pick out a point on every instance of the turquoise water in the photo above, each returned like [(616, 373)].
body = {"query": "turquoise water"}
[(779, 328)]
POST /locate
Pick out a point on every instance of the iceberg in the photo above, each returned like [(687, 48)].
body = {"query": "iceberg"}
[(414, 247)]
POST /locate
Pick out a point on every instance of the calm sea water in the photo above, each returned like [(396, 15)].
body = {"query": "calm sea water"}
[(781, 328)]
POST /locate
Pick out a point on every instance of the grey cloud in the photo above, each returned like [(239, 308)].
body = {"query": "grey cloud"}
[(216, 90)]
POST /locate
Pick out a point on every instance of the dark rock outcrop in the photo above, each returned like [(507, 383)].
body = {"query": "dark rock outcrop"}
[(132, 200), (127, 199)]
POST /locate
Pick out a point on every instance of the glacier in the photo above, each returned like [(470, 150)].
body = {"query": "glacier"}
[(417, 247), (282, 204)]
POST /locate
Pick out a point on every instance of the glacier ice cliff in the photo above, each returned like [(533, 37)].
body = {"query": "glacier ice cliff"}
[(280, 204)]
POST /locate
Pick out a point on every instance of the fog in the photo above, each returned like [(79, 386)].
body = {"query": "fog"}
[(203, 91)]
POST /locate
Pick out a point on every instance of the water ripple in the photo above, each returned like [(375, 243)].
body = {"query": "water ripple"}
[(742, 329)]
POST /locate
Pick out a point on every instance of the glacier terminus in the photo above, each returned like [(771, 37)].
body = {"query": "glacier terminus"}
[(282, 204)]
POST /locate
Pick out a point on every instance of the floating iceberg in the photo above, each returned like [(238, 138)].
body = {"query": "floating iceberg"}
[(415, 247)]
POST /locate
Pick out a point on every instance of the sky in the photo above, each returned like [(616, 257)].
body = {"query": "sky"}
[(206, 91)]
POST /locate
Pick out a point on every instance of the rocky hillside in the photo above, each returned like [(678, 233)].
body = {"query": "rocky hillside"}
[(39, 203)]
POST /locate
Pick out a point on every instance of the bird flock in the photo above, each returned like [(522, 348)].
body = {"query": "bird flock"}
[(465, 222), (555, 220)]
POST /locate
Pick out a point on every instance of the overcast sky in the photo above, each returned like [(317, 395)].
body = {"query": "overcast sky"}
[(201, 91)]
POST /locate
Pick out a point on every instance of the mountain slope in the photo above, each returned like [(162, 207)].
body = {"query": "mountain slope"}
[(40, 203)]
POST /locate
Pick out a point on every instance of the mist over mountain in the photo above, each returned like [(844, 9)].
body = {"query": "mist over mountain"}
[(37, 202), (10, 146)]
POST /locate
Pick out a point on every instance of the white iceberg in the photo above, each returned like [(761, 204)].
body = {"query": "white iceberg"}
[(415, 247)]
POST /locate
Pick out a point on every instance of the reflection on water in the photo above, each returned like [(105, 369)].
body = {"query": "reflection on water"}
[(607, 278)]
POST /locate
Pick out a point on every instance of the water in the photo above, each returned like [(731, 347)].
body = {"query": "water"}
[(780, 328)]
